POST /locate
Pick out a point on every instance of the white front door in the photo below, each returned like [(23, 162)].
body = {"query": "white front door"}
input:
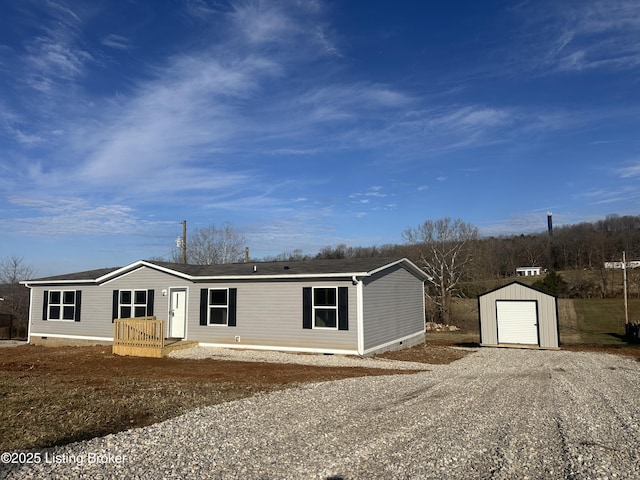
[(178, 313)]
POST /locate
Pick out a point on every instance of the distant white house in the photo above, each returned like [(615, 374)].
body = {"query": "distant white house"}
[(528, 271)]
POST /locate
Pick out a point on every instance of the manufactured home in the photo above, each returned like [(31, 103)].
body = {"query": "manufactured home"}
[(350, 306)]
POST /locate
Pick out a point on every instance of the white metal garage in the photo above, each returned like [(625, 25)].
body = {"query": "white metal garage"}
[(518, 315)]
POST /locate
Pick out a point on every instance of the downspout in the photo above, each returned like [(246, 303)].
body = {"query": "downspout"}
[(30, 313), (360, 313), (424, 307)]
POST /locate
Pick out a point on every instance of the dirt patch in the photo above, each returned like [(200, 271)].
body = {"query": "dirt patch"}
[(626, 350), (431, 352), (454, 339), (57, 395)]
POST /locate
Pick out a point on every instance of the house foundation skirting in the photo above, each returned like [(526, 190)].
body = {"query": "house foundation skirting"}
[(404, 342), (58, 340)]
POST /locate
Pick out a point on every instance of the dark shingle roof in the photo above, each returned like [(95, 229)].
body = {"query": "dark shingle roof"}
[(304, 267), (349, 266), (79, 276)]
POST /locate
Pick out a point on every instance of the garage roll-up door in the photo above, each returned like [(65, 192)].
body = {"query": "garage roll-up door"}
[(517, 322)]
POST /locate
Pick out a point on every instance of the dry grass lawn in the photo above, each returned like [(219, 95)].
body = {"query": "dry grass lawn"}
[(53, 396)]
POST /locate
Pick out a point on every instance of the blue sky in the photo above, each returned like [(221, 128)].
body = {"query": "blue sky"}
[(308, 123)]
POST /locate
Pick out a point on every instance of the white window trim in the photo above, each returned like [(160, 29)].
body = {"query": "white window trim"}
[(61, 305), (209, 306), (133, 305), (313, 309)]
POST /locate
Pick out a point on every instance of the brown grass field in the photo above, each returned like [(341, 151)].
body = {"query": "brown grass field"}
[(58, 395)]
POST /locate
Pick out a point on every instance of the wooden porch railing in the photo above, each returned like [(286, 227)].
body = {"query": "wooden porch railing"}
[(134, 335)]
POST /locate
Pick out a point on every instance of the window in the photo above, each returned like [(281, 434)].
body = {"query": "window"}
[(218, 306), (61, 305), (132, 303), (325, 307)]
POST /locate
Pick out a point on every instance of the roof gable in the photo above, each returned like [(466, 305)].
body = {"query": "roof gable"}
[(515, 282)]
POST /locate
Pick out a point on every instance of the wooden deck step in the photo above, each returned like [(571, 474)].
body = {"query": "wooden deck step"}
[(153, 352)]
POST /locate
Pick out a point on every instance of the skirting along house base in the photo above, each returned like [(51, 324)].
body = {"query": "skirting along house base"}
[(520, 316), (352, 306)]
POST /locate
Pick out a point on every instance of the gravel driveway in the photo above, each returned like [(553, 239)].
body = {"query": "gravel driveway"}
[(497, 413)]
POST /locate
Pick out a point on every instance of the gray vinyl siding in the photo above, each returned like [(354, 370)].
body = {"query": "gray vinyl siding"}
[(393, 306), (546, 307), (95, 320), (269, 314), (96, 308)]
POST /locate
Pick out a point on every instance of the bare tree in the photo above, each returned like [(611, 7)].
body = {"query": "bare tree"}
[(295, 255), (442, 248), (214, 245), (15, 297)]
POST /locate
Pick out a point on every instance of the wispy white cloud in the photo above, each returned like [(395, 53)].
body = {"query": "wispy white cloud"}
[(116, 41), (629, 171), (472, 118), (261, 22), (202, 9), (346, 99), (163, 130), (586, 35), (55, 55), (326, 43), (66, 216), (17, 128), (621, 194)]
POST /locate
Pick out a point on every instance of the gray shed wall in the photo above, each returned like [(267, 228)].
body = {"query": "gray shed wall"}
[(393, 308), (546, 307)]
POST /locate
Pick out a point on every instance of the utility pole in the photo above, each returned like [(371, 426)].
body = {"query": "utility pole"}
[(184, 242), (624, 276)]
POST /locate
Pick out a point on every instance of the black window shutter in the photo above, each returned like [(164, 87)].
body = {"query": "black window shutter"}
[(231, 319), (150, 303), (114, 305), (204, 305), (78, 304), (343, 308), (307, 307), (45, 305)]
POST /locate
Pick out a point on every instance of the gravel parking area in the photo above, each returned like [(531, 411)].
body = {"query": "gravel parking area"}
[(298, 358), (496, 413)]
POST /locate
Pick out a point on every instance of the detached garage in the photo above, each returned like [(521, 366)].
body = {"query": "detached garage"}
[(518, 315)]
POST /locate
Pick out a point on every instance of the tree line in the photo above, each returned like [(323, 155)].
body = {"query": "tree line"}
[(571, 247)]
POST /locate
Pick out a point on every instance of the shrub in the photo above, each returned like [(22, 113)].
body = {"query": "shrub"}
[(552, 283)]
